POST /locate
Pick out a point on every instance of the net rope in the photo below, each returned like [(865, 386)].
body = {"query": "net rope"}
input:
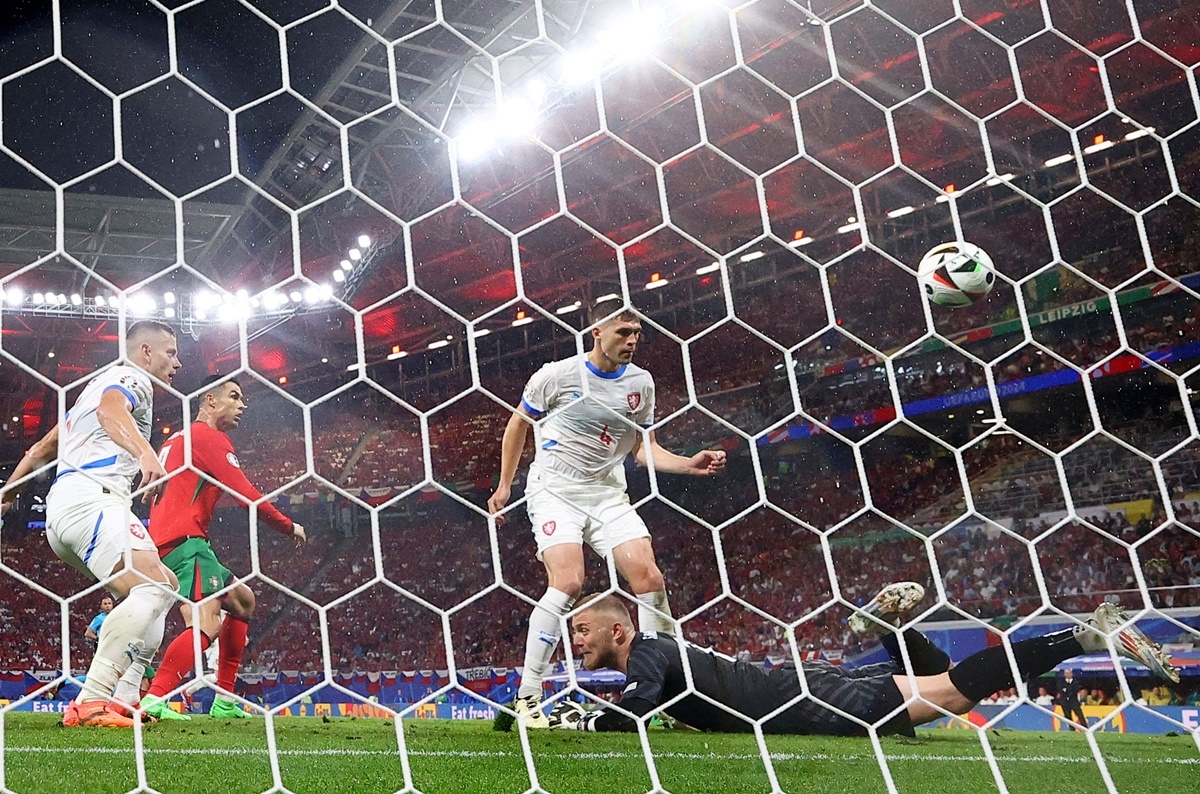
[(828, 20)]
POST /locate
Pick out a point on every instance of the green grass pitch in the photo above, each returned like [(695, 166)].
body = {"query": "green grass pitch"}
[(349, 755)]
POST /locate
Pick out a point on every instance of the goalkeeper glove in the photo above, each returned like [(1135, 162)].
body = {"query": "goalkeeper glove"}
[(571, 716)]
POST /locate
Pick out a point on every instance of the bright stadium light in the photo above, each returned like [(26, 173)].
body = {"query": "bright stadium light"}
[(397, 354), (900, 212), (750, 257), (142, 304), (311, 295), (100, 301), (516, 118), (1062, 158), (612, 296), (296, 296), (522, 319), (570, 307), (656, 281), (354, 254), (76, 299), (1099, 144), (168, 312), (714, 267), (849, 227), (347, 265), (169, 298), (996, 180), (476, 140), (15, 295), (438, 344), (339, 276), (38, 298), (580, 67), (364, 241), (1133, 136), (482, 332), (243, 296), (53, 300)]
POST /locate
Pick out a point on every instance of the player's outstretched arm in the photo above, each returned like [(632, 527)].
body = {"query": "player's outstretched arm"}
[(219, 460), (572, 716), (42, 452), (511, 448), (704, 463)]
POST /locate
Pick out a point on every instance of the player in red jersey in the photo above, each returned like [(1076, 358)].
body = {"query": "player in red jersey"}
[(179, 522)]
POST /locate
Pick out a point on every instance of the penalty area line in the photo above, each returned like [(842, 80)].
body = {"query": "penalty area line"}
[(599, 756)]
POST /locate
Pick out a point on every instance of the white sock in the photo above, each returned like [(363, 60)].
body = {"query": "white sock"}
[(648, 618), (123, 638), (129, 688), (544, 634)]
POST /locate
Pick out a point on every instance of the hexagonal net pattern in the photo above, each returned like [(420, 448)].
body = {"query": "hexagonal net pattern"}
[(385, 217)]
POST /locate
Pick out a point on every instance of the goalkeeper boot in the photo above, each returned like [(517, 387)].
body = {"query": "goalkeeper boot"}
[(888, 607), (160, 710), (1129, 640), (93, 714), (223, 709)]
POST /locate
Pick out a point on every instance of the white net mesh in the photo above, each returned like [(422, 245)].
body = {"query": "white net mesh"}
[(386, 215)]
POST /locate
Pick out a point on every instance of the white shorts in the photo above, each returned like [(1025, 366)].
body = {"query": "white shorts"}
[(563, 510), (91, 530)]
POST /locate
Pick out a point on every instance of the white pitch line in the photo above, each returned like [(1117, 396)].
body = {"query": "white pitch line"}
[(1040, 759)]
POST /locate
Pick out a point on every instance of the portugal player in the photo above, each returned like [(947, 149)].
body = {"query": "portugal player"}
[(179, 524), (576, 490)]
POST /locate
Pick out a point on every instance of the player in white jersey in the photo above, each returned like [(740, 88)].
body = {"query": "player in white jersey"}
[(103, 444), (592, 406)]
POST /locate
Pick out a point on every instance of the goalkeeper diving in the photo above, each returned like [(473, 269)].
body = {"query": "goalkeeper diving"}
[(737, 692)]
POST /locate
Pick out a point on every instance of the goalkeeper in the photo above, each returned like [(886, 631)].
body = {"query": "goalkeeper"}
[(179, 523), (603, 635)]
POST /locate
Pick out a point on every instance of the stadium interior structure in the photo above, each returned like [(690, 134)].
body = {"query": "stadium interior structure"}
[(387, 277)]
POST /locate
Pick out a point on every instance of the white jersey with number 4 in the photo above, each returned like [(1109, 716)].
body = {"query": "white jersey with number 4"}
[(588, 439), (83, 445)]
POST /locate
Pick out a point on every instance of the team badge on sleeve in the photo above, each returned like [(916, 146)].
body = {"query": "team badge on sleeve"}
[(634, 399), (233, 461)]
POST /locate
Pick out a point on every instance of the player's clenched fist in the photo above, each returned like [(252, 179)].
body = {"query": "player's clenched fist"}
[(497, 502), (298, 534), (707, 462)]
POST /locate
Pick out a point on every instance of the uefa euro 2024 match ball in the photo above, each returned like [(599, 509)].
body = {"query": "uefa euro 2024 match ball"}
[(956, 274)]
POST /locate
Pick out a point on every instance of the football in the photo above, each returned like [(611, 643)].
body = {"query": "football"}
[(956, 274)]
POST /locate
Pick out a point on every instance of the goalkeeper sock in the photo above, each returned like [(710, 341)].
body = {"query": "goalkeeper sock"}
[(129, 688), (177, 662), (648, 618), (233, 645), (544, 634), (926, 658), (123, 638), (988, 671)]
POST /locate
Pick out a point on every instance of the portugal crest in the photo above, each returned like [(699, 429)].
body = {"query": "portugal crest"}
[(634, 399), (549, 527)]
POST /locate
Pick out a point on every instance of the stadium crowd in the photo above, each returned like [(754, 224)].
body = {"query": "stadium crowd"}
[(437, 549)]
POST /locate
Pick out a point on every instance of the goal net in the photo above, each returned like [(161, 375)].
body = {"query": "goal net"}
[(385, 216)]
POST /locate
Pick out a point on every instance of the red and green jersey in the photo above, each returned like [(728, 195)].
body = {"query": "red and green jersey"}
[(185, 508)]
